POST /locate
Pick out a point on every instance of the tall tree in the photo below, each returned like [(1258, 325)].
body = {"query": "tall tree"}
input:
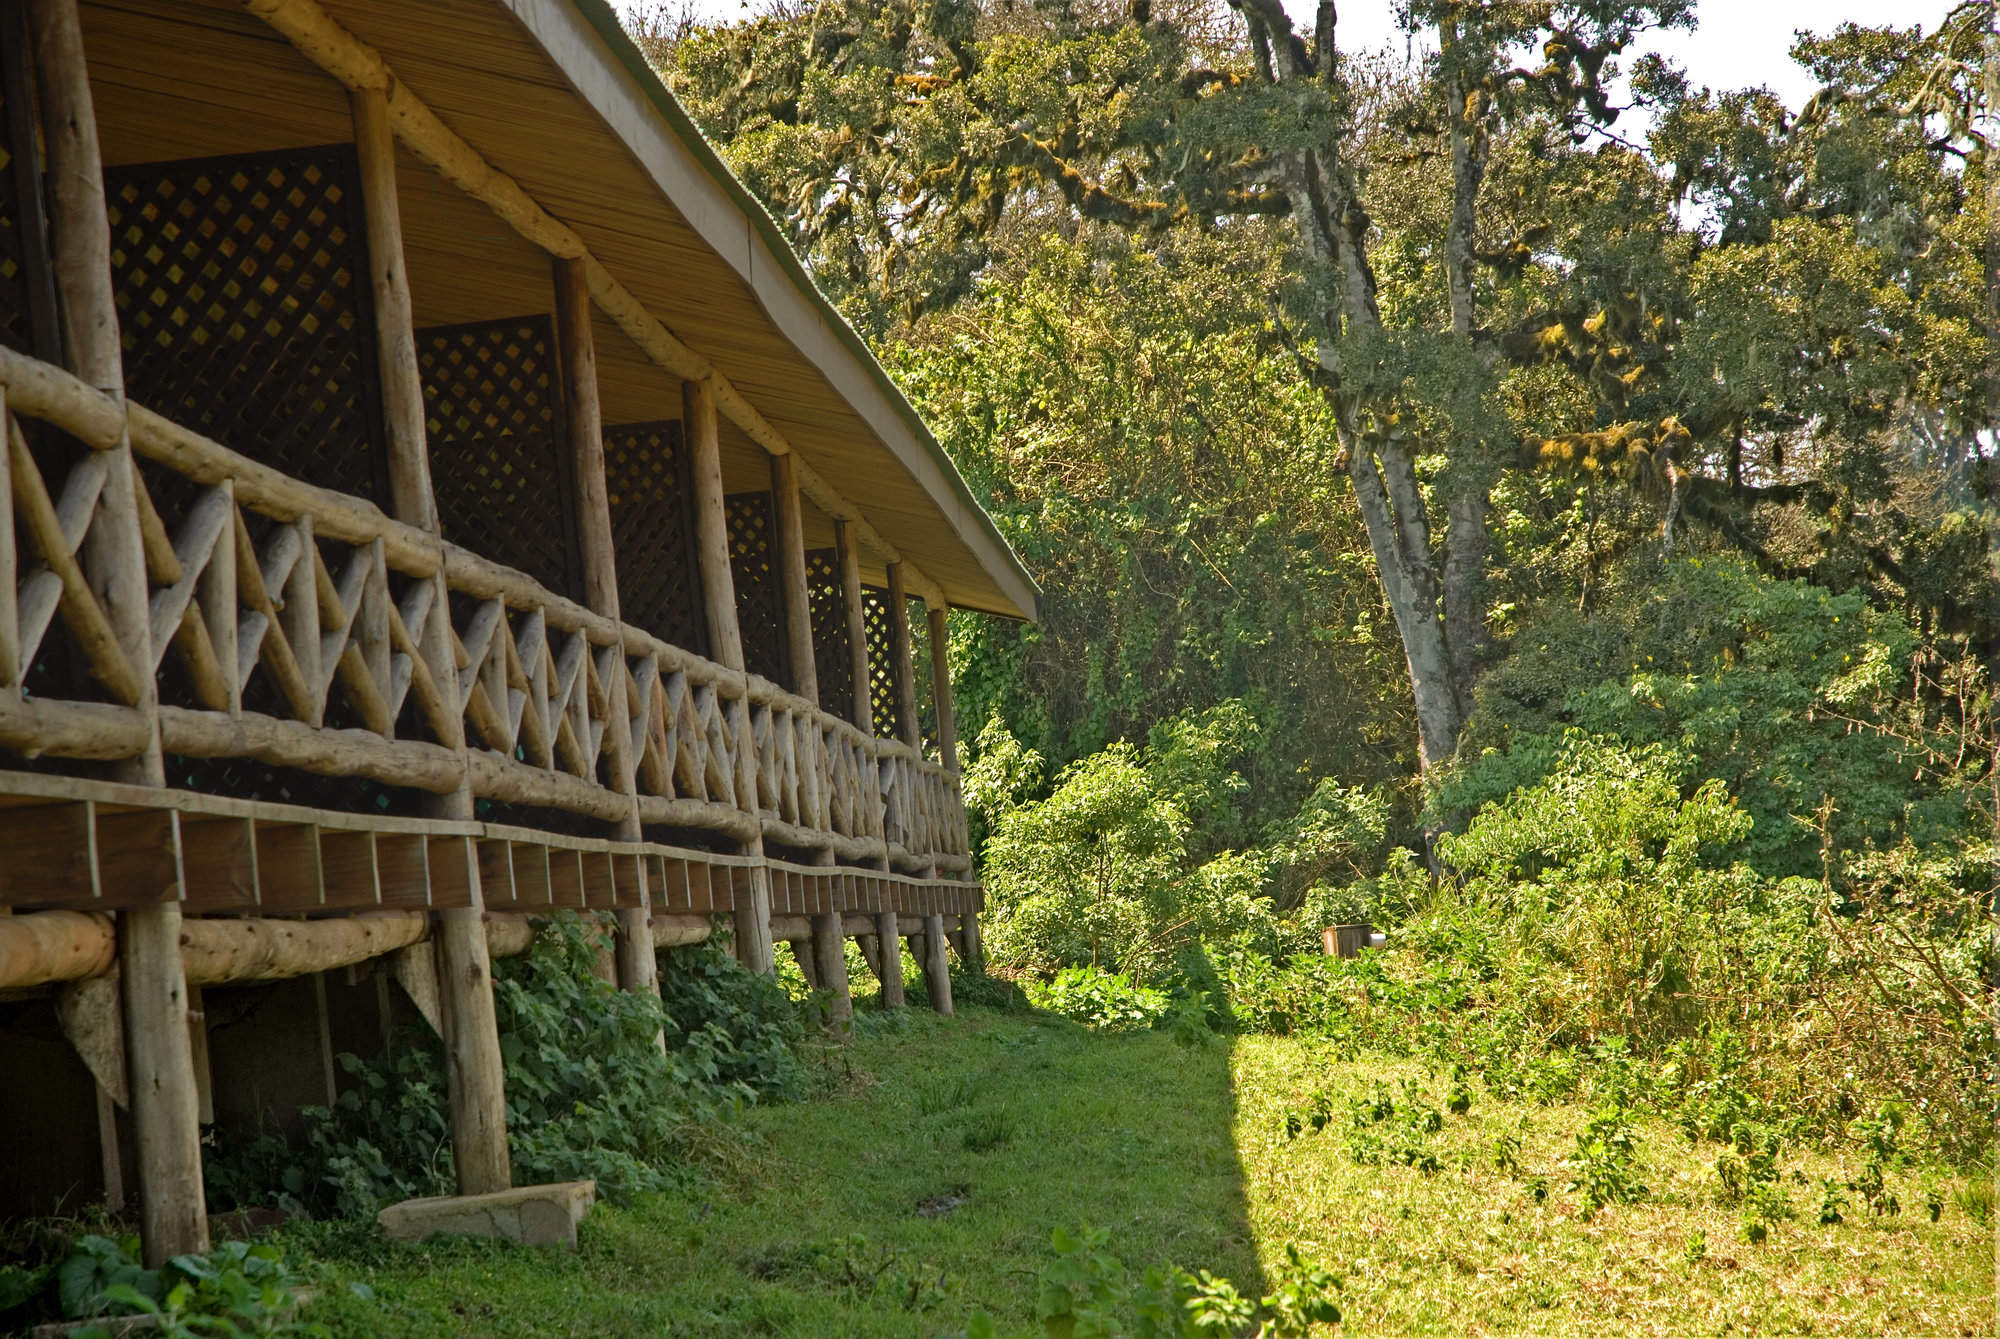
[(1479, 259)]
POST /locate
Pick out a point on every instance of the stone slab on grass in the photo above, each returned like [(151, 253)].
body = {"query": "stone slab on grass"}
[(531, 1215)]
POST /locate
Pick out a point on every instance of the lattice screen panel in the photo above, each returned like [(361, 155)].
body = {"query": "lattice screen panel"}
[(15, 329), (884, 703), (832, 656), (760, 592), (493, 400), (920, 673), (242, 290), (652, 531)]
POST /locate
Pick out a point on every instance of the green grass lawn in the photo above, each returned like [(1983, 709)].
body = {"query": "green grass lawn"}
[(923, 1186)]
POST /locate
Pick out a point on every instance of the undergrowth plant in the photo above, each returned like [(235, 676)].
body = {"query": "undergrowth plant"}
[(1088, 1293), (1108, 1001), (236, 1289), (589, 1092)]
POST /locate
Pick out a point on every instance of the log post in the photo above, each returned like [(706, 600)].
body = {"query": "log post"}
[(937, 964), (475, 1072), (857, 625), (395, 320), (725, 640), (973, 952), (903, 662), (890, 961), (947, 716), (159, 1057), (887, 934), (636, 968), (829, 943), (791, 537)]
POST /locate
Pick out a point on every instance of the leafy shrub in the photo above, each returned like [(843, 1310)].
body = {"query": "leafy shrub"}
[(1120, 864), (1088, 1291), (986, 992), (1755, 684), (234, 1289), (1605, 1166), (588, 1092), (1108, 1001)]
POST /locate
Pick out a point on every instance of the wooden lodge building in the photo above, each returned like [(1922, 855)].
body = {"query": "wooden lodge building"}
[(435, 494)]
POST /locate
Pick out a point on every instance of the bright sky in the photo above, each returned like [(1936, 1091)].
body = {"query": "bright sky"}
[(1738, 42)]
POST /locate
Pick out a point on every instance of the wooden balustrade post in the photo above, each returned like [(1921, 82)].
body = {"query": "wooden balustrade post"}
[(725, 640), (159, 1056), (902, 660), (791, 537), (403, 414), (974, 950), (474, 1070), (947, 715), (829, 941), (890, 961), (637, 968), (857, 625), (937, 965)]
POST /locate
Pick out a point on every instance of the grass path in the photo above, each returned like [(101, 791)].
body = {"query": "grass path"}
[(924, 1185)]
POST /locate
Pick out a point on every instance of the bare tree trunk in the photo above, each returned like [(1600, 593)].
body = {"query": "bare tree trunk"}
[(1465, 553), (1410, 585)]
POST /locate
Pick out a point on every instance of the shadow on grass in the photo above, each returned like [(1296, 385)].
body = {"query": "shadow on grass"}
[(922, 1186)]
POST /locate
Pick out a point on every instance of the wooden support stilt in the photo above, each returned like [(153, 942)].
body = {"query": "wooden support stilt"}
[(725, 640), (166, 1106), (937, 964), (891, 972), (829, 948), (972, 952), (160, 1062), (802, 953), (472, 1052), (323, 1018), (633, 965), (108, 1153), (975, 945), (204, 1078), (473, 1068)]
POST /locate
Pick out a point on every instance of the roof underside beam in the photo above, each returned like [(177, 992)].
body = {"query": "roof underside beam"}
[(358, 66)]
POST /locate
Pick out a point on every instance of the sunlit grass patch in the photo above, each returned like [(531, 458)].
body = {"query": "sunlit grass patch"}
[(922, 1183)]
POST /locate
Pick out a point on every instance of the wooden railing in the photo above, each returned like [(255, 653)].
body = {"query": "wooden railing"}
[(338, 607)]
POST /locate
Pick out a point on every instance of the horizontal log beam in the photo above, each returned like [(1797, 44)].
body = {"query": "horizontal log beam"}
[(220, 951), (41, 947), (37, 727), (282, 743), (672, 931)]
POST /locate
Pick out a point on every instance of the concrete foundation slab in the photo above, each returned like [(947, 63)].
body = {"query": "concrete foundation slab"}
[(532, 1215)]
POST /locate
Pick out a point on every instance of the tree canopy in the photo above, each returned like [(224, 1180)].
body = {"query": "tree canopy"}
[(1525, 287)]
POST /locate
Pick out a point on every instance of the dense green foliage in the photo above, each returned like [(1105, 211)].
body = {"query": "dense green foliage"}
[(1262, 346), (589, 1093), (235, 1290)]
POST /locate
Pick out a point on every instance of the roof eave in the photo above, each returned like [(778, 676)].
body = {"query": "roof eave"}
[(715, 203)]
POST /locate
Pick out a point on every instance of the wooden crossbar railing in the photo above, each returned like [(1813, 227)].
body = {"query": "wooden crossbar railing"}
[(331, 601)]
